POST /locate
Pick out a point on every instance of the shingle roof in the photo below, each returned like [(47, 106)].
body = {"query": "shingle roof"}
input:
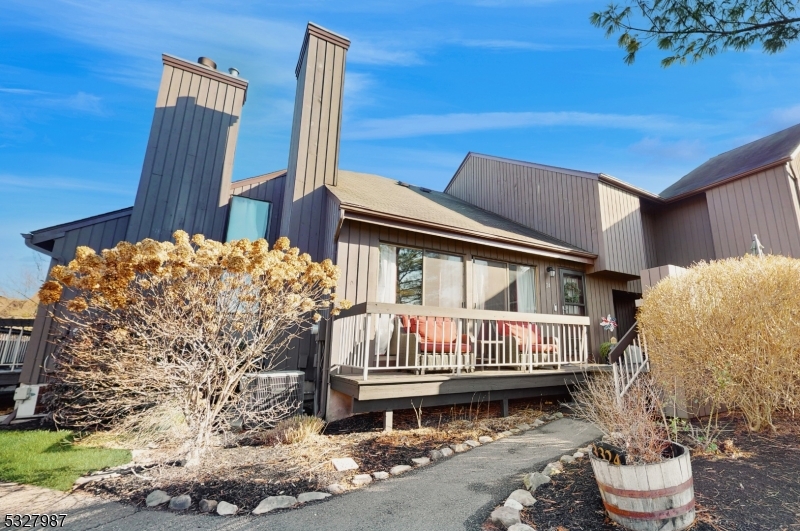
[(385, 197), (764, 152)]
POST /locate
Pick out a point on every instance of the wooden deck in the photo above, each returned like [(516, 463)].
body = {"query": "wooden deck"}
[(395, 390)]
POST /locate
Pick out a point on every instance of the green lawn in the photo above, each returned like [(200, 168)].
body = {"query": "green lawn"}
[(49, 459)]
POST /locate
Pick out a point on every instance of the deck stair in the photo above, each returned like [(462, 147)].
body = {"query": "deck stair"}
[(629, 359)]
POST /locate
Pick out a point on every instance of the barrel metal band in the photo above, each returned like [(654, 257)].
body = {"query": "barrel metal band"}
[(655, 515), (669, 491)]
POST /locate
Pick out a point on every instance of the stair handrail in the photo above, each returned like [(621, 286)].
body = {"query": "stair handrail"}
[(627, 340)]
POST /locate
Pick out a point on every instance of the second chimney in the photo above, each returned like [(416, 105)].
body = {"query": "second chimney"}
[(314, 146)]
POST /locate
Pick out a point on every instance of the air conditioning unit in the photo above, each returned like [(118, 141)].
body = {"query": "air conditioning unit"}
[(266, 391)]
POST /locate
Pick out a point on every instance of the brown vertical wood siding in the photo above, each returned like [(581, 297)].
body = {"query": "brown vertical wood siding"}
[(358, 257), (649, 233), (573, 207), (762, 204), (681, 232), (623, 235), (188, 163), (99, 236), (314, 145), (559, 204), (268, 190)]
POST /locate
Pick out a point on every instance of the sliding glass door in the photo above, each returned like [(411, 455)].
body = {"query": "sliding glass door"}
[(503, 287), (416, 276)]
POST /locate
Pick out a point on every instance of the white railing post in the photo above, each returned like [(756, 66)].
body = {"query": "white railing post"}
[(366, 344)]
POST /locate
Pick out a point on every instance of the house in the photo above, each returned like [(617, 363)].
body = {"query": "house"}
[(489, 290)]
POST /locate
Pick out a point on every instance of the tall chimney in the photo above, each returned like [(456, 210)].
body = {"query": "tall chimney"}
[(187, 167), (314, 147)]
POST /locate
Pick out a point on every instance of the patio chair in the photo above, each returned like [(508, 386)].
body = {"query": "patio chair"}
[(526, 345), (434, 343)]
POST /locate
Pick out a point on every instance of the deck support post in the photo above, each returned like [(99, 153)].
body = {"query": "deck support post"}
[(505, 407), (388, 417)]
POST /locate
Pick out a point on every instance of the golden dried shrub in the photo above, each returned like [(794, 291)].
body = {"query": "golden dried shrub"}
[(728, 332), (179, 324)]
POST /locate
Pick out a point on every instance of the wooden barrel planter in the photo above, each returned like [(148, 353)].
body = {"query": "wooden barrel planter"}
[(651, 497)]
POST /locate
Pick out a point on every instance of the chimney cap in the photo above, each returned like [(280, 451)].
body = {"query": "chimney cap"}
[(321, 33), (233, 71), (205, 61)]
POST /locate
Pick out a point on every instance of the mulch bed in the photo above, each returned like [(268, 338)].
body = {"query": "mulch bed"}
[(247, 474), (754, 489)]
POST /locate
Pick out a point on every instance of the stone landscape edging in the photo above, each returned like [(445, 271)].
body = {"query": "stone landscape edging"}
[(507, 515), (157, 498)]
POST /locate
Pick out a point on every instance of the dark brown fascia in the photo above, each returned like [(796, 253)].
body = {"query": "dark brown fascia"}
[(576, 173), (736, 177), (39, 236), (202, 70), (321, 33), (584, 256), (622, 185), (258, 179)]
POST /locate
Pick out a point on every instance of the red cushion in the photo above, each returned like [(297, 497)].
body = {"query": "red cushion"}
[(525, 333), (438, 329), (442, 348), (539, 347)]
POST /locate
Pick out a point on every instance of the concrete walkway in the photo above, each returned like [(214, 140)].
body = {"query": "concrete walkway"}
[(454, 495)]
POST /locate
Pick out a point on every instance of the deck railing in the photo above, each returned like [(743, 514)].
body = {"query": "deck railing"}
[(13, 342), (390, 337), (629, 359)]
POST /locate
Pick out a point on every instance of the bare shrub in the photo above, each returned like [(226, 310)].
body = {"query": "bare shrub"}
[(159, 325), (298, 429), (634, 422), (727, 333)]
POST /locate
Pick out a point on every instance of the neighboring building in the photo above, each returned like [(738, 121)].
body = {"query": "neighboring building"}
[(492, 289)]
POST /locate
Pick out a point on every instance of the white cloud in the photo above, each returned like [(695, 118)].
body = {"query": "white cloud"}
[(80, 102), (61, 183), (263, 49), (656, 148), (510, 3), (142, 30), (446, 124), (372, 54), (505, 44), (21, 92), (786, 116)]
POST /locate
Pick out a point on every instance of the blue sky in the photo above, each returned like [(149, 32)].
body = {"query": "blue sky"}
[(426, 82)]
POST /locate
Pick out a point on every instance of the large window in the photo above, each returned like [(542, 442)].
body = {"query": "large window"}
[(503, 287), (573, 297), (417, 276), (247, 218)]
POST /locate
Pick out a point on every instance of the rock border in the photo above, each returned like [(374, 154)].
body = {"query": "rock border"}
[(505, 513), (507, 516)]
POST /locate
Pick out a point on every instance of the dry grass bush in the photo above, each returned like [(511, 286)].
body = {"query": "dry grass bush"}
[(162, 426), (161, 324), (727, 332), (298, 429), (634, 422)]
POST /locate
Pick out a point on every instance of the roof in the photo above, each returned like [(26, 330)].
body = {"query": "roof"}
[(78, 223), (761, 154), (264, 177), (613, 181), (384, 197)]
